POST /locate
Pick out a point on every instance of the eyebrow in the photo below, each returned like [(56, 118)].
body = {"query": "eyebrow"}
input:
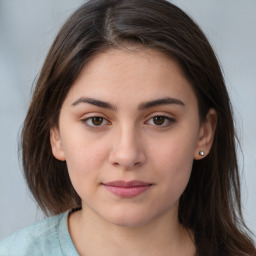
[(142, 106), (159, 102), (95, 102)]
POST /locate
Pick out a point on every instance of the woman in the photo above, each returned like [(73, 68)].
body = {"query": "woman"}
[(129, 140)]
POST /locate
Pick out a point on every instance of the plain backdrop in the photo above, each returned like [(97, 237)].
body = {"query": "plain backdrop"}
[(27, 29)]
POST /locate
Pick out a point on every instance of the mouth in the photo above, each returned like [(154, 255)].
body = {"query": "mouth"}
[(127, 189)]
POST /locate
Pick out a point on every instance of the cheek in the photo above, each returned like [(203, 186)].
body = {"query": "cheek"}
[(175, 152), (81, 150), (84, 161), (174, 160), (176, 169)]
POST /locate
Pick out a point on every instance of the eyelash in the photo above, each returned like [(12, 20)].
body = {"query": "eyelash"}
[(167, 121), (90, 119)]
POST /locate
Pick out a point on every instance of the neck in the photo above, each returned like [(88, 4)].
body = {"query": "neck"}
[(162, 236)]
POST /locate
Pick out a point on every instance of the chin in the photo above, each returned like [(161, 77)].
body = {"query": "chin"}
[(129, 223), (128, 219)]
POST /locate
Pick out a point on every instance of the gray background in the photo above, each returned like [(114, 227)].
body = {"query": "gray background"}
[(27, 29)]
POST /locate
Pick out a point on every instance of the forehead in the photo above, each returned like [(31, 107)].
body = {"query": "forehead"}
[(138, 73)]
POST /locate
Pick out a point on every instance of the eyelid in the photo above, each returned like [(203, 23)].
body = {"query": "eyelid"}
[(89, 116), (160, 113), (85, 120), (170, 119)]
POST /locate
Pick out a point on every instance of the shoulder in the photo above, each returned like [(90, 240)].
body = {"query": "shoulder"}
[(41, 238)]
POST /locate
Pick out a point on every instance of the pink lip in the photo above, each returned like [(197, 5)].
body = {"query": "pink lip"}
[(127, 189)]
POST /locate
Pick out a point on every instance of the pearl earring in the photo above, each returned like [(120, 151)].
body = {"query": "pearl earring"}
[(201, 153)]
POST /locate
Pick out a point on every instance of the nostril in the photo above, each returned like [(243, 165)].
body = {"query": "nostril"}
[(127, 157), (137, 163), (127, 165)]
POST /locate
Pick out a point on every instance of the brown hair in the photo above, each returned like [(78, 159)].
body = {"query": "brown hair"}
[(210, 206)]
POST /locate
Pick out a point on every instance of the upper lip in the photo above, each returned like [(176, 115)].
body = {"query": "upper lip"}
[(132, 183)]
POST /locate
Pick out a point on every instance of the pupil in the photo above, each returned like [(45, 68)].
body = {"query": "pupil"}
[(159, 120), (97, 120)]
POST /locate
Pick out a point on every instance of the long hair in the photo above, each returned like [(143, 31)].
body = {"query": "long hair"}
[(210, 205)]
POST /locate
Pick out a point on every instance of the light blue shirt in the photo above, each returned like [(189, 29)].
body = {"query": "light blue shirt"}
[(49, 237)]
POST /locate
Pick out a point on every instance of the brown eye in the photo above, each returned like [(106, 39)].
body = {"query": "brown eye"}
[(97, 120), (159, 120)]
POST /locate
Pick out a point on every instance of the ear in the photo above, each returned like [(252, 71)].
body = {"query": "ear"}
[(56, 144), (206, 135)]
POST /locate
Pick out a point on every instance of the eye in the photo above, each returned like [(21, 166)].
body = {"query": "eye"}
[(160, 120), (95, 121)]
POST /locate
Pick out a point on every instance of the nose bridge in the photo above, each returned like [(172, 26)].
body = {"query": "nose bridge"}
[(127, 150)]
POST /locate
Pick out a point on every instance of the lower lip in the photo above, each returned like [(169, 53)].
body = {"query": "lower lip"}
[(127, 192)]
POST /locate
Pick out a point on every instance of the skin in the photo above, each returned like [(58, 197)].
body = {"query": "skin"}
[(128, 143)]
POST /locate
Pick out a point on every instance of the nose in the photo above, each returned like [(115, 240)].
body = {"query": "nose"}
[(127, 151)]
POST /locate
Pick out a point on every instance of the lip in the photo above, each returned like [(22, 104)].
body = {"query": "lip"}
[(127, 189)]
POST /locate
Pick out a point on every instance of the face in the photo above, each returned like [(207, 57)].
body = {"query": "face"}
[(129, 131)]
